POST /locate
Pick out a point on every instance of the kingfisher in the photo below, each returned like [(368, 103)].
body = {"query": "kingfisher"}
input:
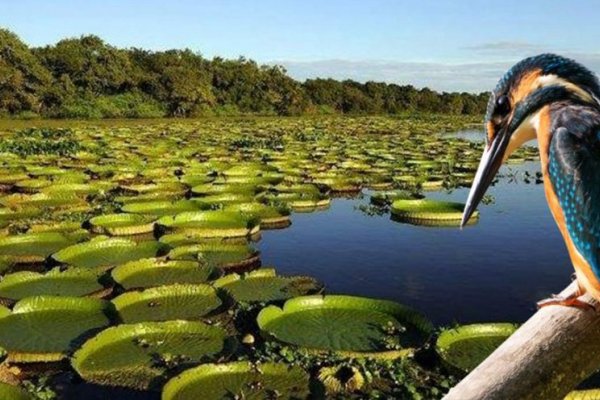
[(555, 100)]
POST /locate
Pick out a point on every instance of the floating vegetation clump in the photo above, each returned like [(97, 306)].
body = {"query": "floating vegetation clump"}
[(130, 247), (467, 346)]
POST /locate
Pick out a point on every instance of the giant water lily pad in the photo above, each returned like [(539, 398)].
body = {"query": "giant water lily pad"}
[(71, 282), (263, 285), (107, 252), (211, 223), (239, 380), (228, 256), (467, 346), (45, 328), (270, 217), (33, 247), (142, 355), (346, 323), (160, 208), (122, 224), (587, 394), (10, 392), (151, 272), (429, 212), (163, 303)]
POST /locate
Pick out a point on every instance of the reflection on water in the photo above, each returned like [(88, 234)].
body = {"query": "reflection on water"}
[(493, 271)]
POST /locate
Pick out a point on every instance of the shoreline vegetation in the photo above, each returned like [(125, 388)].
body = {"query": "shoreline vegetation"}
[(86, 78)]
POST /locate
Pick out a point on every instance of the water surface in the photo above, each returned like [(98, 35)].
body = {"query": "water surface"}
[(495, 270)]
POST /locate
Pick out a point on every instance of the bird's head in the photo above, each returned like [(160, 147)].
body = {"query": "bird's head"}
[(513, 111)]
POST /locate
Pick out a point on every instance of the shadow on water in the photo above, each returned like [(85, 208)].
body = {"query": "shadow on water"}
[(494, 270)]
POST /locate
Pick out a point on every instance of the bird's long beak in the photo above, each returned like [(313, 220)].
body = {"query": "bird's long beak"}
[(488, 167)]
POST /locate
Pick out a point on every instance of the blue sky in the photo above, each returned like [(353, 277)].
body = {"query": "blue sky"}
[(447, 45)]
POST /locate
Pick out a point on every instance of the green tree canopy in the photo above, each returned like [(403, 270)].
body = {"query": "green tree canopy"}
[(88, 78)]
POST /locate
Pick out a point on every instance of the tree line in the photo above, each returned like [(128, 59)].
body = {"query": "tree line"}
[(88, 78)]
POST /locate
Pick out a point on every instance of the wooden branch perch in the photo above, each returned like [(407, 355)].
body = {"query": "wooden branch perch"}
[(545, 358)]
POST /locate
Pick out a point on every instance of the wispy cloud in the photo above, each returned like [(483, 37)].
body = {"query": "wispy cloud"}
[(467, 77), (504, 46)]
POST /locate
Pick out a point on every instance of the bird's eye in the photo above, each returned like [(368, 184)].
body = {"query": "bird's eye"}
[(502, 105)]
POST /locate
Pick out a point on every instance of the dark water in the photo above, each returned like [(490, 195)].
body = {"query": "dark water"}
[(493, 271)]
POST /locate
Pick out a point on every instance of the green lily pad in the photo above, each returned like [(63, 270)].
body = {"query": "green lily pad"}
[(33, 247), (263, 285), (467, 346), (10, 392), (210, 223), (160, 208), (228, 256), (162, 303), (151, 272), (142, 355), (72, 282), (588, 394), (107, 252), (429, 212), (350, 324), (45, 328), (270, 217), (239, 380), (122, 224)]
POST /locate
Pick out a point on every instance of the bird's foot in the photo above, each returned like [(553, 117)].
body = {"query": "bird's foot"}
[(570, 301)]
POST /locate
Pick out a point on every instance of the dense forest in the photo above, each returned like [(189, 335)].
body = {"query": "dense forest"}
[(88, 78)]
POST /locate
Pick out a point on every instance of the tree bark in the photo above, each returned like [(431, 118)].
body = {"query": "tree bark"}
[(556, 349)]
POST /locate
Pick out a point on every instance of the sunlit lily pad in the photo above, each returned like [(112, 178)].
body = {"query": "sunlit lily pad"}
[(142, 355), (122, 224), (429, 212), (270, 217), (33, 247), (71, 282), (211, 223), (160, 208), (227, 256), (587, 394), (10, 392), (239, 380), (45, 328), (151, 272), (162, 303), (347, 324), (107, 252), (263, 285), (467, 346)]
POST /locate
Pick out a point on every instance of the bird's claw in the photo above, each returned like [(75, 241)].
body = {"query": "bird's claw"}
[(570, 301)]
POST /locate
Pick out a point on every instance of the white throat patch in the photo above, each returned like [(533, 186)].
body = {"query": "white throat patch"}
[(526, 132)]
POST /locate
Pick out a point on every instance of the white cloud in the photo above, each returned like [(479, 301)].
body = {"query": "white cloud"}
[(468, 77)]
